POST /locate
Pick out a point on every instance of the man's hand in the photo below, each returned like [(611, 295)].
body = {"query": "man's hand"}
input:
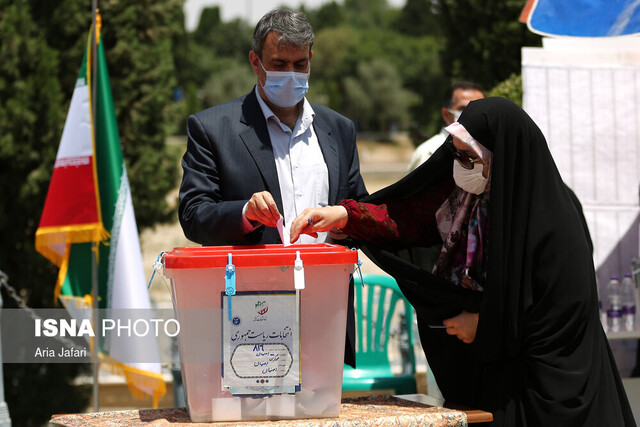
[(464, 326), (262, 208)]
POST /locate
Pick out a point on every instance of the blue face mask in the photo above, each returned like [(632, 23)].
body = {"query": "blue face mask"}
[(285, 88)]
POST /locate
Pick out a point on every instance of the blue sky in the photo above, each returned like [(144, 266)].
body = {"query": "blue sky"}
[(250, 10)]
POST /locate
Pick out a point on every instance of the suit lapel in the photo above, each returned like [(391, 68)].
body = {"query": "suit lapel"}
[(328, 145), (256, 138)]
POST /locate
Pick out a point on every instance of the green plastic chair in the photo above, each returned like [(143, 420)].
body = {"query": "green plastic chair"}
[(375, 304)]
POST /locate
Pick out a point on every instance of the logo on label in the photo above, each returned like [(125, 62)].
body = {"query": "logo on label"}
[(262, 307)]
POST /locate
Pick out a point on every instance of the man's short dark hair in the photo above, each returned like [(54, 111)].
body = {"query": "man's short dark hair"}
[(447, 101), (294, 29)]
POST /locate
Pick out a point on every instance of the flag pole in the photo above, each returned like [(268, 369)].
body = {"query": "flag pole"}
[(94, 245)]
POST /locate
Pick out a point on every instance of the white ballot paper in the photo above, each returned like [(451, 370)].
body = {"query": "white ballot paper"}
[(261, 343), (284, 232)]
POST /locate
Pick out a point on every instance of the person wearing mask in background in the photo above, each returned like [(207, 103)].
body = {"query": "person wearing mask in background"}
[(268, 154), (456, 98), (508, 317)]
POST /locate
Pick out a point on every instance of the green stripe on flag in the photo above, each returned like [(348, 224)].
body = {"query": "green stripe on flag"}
[(77, 282), (110, 164)]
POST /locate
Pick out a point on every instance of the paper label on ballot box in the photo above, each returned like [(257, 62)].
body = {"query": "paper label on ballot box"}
[(261, 342)]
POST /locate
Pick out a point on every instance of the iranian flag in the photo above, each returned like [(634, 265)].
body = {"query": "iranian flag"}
[(89, 203)]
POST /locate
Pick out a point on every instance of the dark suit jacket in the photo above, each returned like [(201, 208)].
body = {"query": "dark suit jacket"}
[(229, 158)]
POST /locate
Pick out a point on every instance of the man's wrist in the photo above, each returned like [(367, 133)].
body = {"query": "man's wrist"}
[(248, 225)]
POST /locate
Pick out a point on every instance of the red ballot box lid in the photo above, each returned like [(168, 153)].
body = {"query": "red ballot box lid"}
[(259, 256)]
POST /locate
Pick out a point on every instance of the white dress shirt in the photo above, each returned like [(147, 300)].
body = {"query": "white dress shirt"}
[(427, 148), (302, 172)]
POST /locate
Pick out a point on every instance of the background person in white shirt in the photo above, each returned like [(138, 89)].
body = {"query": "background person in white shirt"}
[(456, 98)]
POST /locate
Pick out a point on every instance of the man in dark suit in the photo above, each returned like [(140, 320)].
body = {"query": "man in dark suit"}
[(270, 153)]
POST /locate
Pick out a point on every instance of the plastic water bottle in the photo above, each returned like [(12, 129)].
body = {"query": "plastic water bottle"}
[(602, 296), (628, 303), (614, 306)]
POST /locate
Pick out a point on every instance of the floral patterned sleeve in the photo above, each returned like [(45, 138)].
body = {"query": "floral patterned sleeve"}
[(400, 222)]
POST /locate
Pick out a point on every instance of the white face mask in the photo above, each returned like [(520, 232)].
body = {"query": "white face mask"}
[(470, 180), (456, 114)]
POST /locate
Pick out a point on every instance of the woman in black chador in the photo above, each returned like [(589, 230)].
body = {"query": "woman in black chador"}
[(514, 282)]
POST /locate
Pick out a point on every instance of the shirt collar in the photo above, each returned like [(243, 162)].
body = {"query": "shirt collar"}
[(304, 121)]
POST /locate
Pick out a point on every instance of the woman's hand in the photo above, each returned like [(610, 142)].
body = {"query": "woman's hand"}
[(314, 220), (464, 326)]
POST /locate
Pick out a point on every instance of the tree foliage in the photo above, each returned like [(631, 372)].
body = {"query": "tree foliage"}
[(483, 39), (232, 81), (40, 54), (138, 41), (418, 18), (368, 13), (224, 39), (511, 88), (31, 119), (375, 95), (429, 44), (327, 15)]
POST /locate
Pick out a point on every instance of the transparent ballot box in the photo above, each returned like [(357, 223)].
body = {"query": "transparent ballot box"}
[(262, 329)]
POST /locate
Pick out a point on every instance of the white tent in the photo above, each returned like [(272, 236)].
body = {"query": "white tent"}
[(584, 93)]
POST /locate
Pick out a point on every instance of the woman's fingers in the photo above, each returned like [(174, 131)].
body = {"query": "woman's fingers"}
[(464, 326), (303, 224), (315, 220)]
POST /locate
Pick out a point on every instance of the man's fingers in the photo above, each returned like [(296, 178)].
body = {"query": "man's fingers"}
[(256, 213), (263, 208), (268, 206), (273, 208)]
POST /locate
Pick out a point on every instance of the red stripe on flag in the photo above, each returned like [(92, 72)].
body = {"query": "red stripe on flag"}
[(71, 199)]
